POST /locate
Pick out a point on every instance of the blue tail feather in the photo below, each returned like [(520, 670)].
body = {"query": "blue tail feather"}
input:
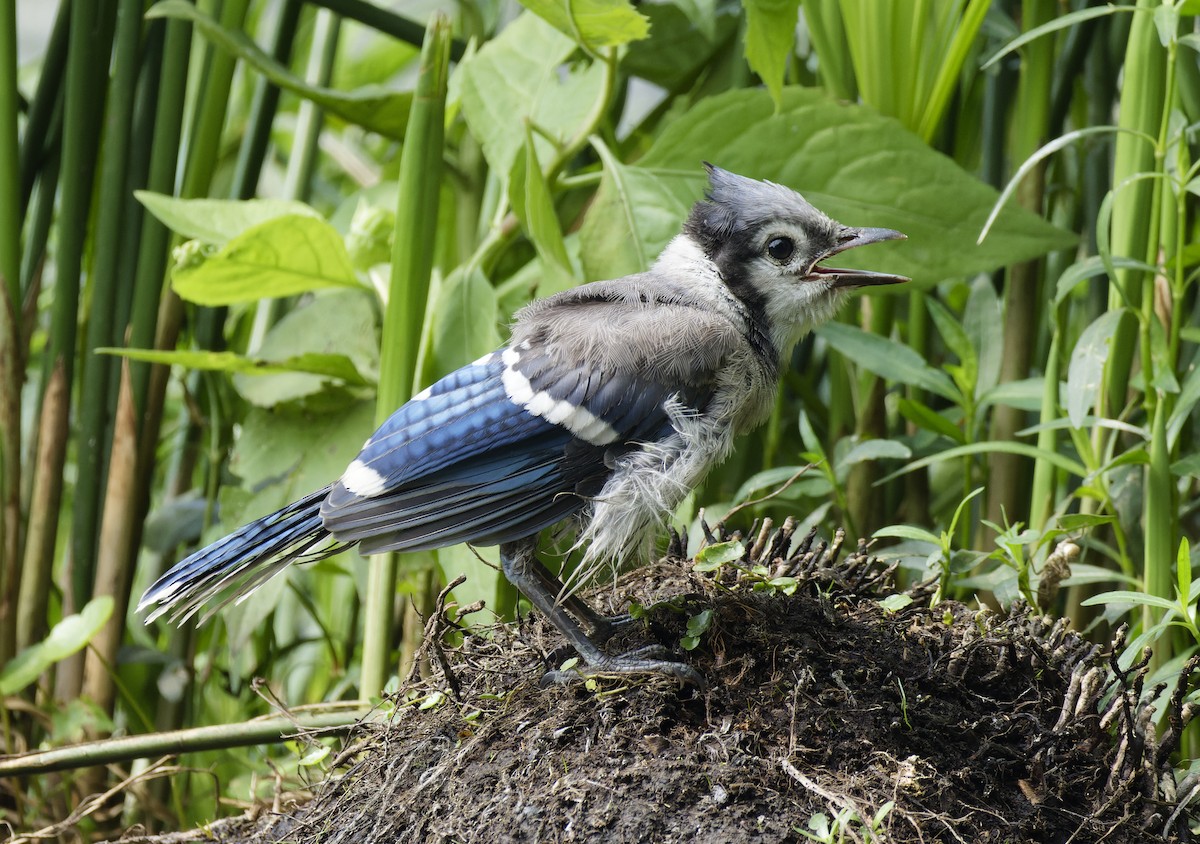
[(243, 560)]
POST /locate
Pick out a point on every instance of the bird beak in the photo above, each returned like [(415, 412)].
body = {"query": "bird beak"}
[(843, 278)]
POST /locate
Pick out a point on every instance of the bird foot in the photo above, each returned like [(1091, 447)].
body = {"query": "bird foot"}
[(645, 660)]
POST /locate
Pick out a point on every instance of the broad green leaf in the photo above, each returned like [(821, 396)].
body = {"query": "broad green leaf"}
[(1082, 573), (339, 326), (684, 37), (1025, 394), (634, 215), (1085, 373), (909, 532), (770, 40), (282, 257), (930, 420), (875, 450), (887, 358), (65, 638), (465, 320), (593, 24), (861, 168), (217, 221), (1183, 568), (514, 78), (370, 106)]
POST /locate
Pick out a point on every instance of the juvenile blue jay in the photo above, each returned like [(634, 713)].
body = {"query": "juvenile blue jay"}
[(610, 403)]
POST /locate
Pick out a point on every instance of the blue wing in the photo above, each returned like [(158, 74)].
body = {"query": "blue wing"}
[(493, 452)]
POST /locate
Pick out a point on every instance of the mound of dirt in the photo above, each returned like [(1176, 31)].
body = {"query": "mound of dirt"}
[(904, 723)]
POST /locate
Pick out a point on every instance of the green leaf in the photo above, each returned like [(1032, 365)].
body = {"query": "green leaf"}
[(1091, 267), (895, 603), (282, 257), (887, 358), (1072, 522), (875, 450), (67, 637), (770, 39), (534, 207), (930, 420), (909, 532), (1055, 459), (514, 78), (1186, 466), (330, 366), (984, 325), (465, 322), (370, 106), (712, 557), (861, 168), (337, 328), (634, 215), (216, 221), (1125, 597), (957, 340), (593, 23), (315, 756), (1085, 373), (1061, 22), (680, 46)]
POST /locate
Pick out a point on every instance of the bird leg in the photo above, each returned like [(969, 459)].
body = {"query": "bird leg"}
[(521, 567), (602, 627)]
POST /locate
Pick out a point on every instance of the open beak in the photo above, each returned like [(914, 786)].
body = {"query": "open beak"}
[(844, 278)]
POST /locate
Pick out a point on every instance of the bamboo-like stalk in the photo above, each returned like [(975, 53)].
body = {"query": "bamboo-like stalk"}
[(263, 105), (276, 728), (10, 334), (46, 102), (96, 370), (121, 532), (416, 218), (1022, 315), (1143, 101), (86, 65)]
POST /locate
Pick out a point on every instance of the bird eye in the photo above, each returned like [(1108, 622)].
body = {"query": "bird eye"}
[(780, 248)]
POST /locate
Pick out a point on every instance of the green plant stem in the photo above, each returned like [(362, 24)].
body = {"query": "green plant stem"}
[(1023, 317), (416, 216), (46, 103), (98, 371), (263, 105), (1143, 108), (86, 66), (387, 22), (10, 334), (268, 730)]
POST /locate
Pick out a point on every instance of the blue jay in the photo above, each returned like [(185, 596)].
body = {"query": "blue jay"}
[(610, 403)]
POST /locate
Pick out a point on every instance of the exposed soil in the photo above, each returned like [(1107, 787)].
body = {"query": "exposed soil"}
[(974, 727)]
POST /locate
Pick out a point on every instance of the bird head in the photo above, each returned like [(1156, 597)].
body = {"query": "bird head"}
[(769, 244)]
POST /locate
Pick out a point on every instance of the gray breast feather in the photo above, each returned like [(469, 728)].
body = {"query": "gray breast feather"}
[(630, 325)]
